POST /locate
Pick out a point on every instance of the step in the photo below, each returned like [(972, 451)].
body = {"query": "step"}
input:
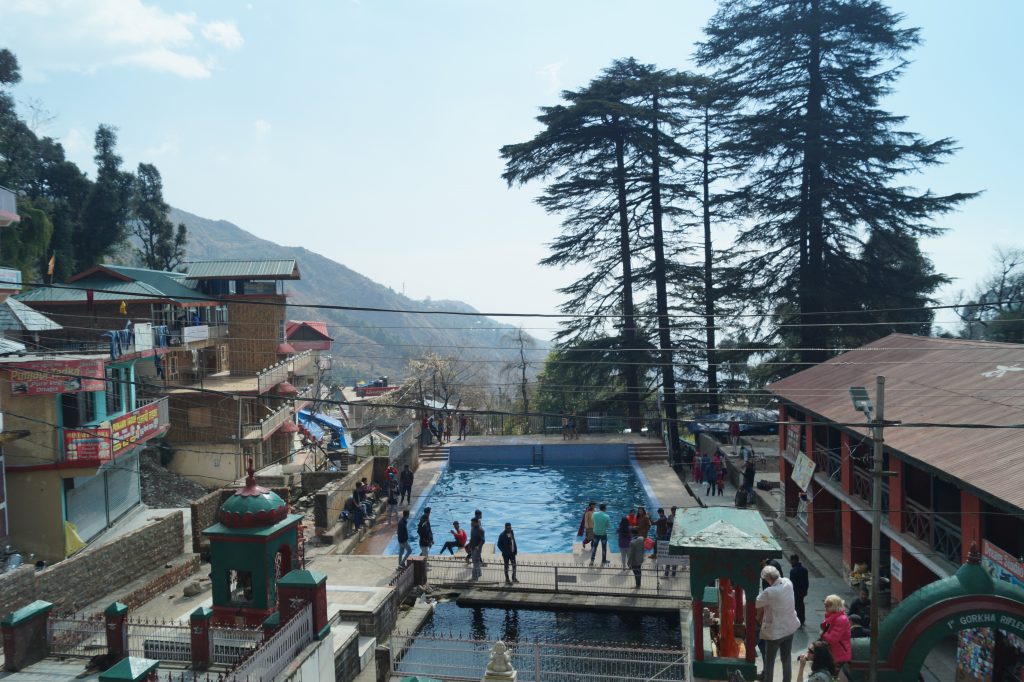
[(366, 648)]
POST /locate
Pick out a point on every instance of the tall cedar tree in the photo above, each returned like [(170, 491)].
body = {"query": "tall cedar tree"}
[(585, 148), (108, 207), (825, 159), (162, 248)]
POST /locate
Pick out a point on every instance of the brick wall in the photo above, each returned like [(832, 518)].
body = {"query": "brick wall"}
[(312, 481), (76, 582)]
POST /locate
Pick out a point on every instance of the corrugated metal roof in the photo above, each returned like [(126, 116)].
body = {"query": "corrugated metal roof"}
[(285, 268), (8, 346), (15, 316), (293, 326), (942, 381), (117, 283)]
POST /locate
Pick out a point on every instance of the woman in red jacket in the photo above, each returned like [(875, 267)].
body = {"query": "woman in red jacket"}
[(835, 630)]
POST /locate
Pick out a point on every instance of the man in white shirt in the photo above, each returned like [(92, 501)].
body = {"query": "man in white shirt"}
[(776, 611)]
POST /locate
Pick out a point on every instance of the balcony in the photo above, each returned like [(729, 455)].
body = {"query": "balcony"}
[(92, 447), (272, 376), (304, 364), (264, 429), (197, 335), (933, 530)]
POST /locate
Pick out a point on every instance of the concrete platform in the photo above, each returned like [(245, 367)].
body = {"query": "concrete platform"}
[(562, 600)]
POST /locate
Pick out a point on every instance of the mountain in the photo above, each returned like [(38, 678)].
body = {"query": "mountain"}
[(365, 344)]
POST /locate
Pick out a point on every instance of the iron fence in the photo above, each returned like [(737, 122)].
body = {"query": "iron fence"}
[(76, 637), (403, 582), (611, 579), (453, 658), (230, 645), (404, 441), (274, 655), (160, 641)]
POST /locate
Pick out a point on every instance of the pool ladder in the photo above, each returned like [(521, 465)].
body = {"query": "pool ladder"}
[(537, 455)]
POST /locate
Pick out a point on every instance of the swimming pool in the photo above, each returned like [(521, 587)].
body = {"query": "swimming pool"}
[(544, 504)]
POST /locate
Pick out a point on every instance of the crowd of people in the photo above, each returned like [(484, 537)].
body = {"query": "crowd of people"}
[(472, 544), (440, 427), (359, 506)]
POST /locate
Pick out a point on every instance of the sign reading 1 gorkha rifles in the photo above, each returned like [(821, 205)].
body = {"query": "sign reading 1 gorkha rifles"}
[(986, 619)]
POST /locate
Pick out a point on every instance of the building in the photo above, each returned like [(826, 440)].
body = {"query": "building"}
[(306, 335), (949, 486)]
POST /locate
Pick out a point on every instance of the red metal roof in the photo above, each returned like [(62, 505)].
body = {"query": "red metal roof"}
[(319, 327), (934, 380)]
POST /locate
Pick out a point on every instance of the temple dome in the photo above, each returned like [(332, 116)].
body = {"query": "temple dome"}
[(253, 506)]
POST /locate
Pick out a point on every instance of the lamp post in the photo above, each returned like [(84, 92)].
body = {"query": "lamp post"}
[(862, 402)]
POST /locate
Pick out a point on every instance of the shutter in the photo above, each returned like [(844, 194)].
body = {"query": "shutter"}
[(123, 490)]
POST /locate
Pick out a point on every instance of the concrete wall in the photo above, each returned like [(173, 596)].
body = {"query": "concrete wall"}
[(211, 465), (35, 513), (315, 480), (74, 583), (329, 500), (553, 455)]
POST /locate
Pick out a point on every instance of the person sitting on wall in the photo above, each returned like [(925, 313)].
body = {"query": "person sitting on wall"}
[(458, 540)]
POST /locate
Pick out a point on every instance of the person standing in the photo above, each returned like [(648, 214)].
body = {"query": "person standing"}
[(588, 524), (835, 630), (661, 529), (720, 481), (671, 524), (476, 547), (770, 562), (734, 434), (405, 485), (801, 584), (624, 538), (601, 522), (463, 423), (448, 428), (424, 532), (635, 556), (777, 615), (458, 540), (573, 433), (404, 548), (392, 496), (643, 521), (565, 428), (507, 547)]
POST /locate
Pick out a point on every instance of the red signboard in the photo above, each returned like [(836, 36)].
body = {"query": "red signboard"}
[(86, 445), (134, 427), (56, 376)]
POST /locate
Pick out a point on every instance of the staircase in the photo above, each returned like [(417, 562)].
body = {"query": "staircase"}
[(433, 453), (653, 451)]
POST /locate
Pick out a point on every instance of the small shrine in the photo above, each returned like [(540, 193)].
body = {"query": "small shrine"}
[(725, 547), (254, 544)]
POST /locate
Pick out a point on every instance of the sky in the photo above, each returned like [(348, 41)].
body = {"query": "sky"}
[(369, 131)]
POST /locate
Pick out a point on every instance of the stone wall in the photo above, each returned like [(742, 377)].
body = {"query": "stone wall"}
[(313, 481), (80, 580), (329, 500)]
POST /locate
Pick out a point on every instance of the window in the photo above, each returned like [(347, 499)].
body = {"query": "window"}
[(240, 587), (115, 389), (77, 409), (171, 366), (199, 418)]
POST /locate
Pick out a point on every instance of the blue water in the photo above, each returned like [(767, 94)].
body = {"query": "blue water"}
[(543, 504)]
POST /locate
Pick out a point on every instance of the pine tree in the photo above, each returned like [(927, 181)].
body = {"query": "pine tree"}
[(162, 248), (825, 160), (107, 209)]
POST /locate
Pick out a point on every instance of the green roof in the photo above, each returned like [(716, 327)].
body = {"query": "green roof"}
[(131, 668), (722, 528), (262, 531), (300, 577), (285, 268), (27, 612), (15, 316), (118, 283)]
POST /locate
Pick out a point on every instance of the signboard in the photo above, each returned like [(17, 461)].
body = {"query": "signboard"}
[(666, 559), (10, 279), (56, 376), (87, 445), (198, 333), (133, 427), (1001, 565), (793, 438), (803, 471), (975, 654), (895, 569)]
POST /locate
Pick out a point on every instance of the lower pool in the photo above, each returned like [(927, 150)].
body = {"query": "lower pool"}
[(544, 504)]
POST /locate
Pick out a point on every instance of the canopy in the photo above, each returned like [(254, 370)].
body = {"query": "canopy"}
[(336, 428)]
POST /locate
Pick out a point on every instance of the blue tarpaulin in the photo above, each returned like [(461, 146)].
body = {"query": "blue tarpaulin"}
[(336, 428), (311, 427)]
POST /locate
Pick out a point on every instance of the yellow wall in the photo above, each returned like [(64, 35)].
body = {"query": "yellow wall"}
[(41, 446), (35, 513), (211, 465)]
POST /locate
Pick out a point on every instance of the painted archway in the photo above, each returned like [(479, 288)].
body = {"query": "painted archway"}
[(969, 599)]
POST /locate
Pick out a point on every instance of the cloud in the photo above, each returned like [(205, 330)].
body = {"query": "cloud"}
[(86, 36), (552, 74), (262, 127), (223, 33), (170, 144)]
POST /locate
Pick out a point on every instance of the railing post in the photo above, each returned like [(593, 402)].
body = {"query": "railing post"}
[(556, 578), (25, 633), (116, 618), (202, 644)]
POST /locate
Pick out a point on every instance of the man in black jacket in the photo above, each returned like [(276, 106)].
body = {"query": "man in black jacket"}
[(424, 532), (801, 583), (405, 485), (476, 546), (507, 547), (404, 548)]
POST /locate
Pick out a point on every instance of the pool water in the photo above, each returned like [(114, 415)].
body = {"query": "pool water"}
[(544, 504), (563, 626)]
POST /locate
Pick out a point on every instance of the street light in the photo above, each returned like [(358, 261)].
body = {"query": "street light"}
[(862, 403)]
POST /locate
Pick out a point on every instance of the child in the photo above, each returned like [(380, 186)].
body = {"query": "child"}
[(720, 481)]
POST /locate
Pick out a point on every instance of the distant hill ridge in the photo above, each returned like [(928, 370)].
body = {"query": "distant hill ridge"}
[(366, 344)]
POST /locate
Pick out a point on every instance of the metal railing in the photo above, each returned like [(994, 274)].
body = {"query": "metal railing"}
[(75, 636), (231, 645), (402, 443), (452, 658), (946, 539), (862, 484), (918, 520), (574, 578), (303, 364), (273, 375), (160, 641), (403, 582), (263, 429), (274, 655)]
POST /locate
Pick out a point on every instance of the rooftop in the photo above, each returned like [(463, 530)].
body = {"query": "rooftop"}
[(285, 268), (938, 382), (116, 283)]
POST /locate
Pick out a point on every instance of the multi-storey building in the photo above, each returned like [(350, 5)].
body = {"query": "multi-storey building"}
[(955, 473)]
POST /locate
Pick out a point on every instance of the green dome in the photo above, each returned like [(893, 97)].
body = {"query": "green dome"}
[(253, 506)]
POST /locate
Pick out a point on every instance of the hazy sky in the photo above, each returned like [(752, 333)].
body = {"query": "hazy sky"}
[(369, 131)]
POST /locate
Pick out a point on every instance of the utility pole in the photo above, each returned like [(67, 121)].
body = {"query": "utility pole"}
[(876, 520)]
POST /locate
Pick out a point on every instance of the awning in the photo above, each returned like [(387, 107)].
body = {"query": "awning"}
[(333, 425), (311, 429), (285, 349), (289, 427), (286, 388)]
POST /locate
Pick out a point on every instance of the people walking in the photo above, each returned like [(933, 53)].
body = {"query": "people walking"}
[(507, 547), (404, 548), (458, 540), (734, 434), (463, 426), (426, 535), (625, 536), (476, 547), (635, 557), (778, 622), (801, 584), (835, 629), (405, 485), (587, 524), (601, 522)]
